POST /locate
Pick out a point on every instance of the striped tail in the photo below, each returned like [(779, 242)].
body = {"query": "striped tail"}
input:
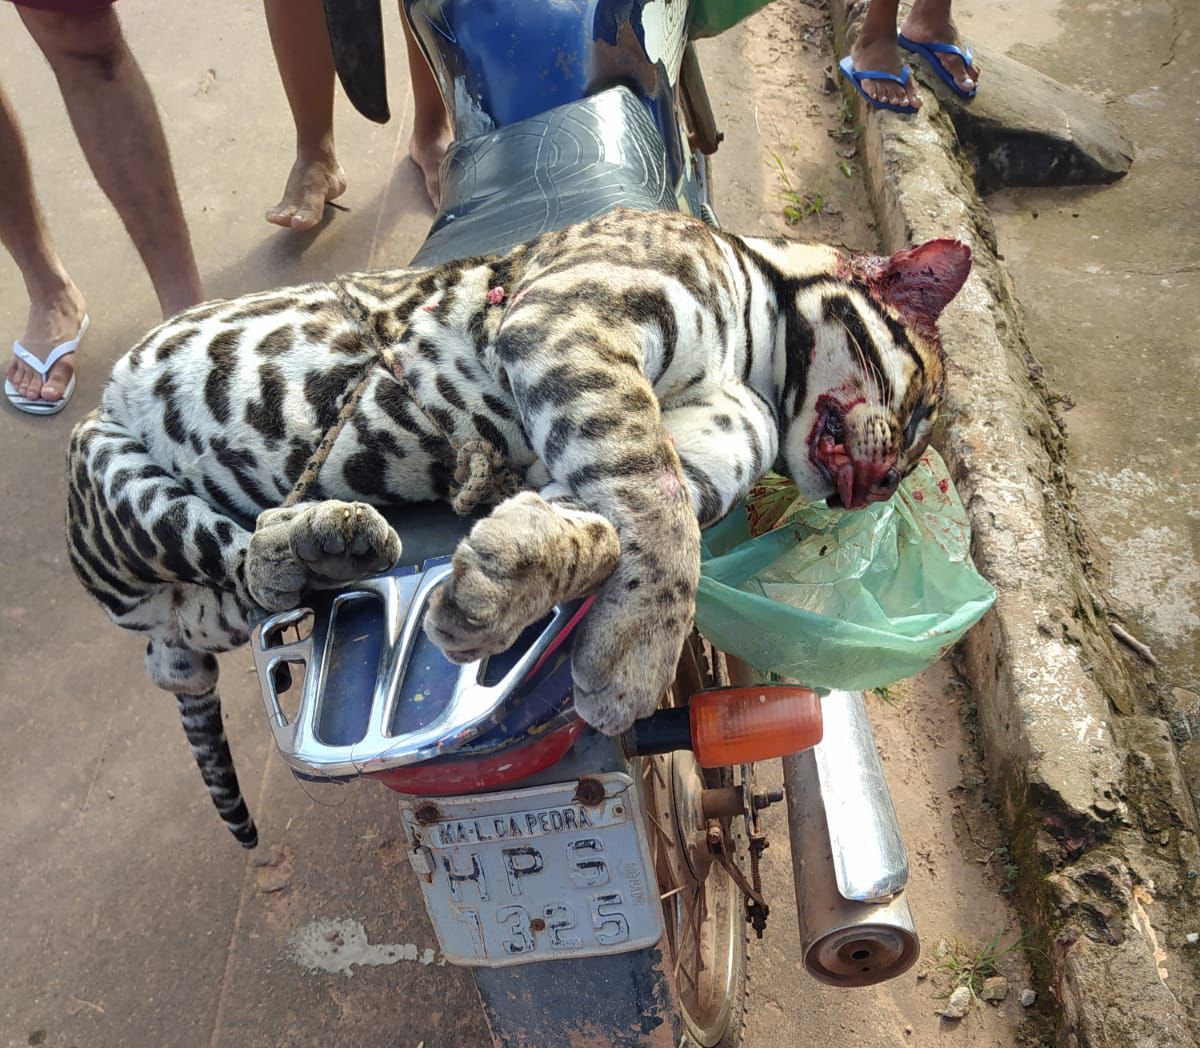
[(201, 715)]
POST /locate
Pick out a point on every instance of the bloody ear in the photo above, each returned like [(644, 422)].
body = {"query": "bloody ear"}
[(920, 281)]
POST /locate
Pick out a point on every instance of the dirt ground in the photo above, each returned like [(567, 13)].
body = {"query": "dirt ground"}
[(130, 918)]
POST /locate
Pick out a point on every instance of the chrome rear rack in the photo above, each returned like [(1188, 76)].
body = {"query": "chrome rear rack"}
[(373, 742)]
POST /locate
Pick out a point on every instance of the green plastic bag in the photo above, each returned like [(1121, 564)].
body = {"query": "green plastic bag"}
[(710, 17), (842, 600)]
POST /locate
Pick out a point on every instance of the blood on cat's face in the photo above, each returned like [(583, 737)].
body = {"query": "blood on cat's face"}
[(853, 439), (857, 481)]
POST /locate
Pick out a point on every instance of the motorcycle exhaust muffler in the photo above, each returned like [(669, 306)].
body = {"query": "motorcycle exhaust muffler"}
[(849, 860)]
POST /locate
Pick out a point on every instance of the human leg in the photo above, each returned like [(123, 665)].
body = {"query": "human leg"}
[(431, 134), (929, 22), (300, 41), (876, 49), (56, 306), (117, 124)]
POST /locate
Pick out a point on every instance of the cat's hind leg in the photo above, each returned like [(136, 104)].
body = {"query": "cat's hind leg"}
[(530, 554), (164, 563)]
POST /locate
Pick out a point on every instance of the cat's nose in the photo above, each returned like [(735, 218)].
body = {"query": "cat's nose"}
[(885, 487), (873, 481)]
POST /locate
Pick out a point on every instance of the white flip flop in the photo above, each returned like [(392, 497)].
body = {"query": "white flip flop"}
[(38, 406)]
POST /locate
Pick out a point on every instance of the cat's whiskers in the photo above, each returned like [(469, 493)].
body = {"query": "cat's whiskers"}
[(875, 379)]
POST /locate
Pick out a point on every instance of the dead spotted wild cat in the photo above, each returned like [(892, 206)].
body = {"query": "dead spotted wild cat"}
[(636, 374)]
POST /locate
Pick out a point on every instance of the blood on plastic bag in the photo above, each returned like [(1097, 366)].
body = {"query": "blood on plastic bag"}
[(836, 599)]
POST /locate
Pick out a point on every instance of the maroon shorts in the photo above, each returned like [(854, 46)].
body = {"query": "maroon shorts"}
[(66, 7)]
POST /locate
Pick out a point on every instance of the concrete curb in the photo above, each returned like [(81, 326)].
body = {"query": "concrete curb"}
[(1071, 753)]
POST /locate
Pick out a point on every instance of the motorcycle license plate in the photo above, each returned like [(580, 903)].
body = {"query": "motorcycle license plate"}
[(535, 875)]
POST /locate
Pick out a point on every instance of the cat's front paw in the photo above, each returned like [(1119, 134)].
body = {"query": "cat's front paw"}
[(321, 545), (340, 542), (516, 564)]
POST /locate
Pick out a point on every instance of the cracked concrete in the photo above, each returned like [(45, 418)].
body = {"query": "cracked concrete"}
[(1076, 362), (130, 917), (1119, 340)]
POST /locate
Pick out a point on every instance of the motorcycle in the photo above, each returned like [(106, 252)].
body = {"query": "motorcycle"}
[(595, 886)]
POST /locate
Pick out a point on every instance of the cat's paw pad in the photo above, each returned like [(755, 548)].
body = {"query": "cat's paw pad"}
[(339, 542), (319, 546)]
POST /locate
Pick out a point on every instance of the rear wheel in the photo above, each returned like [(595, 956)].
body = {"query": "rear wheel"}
[(702, 906)]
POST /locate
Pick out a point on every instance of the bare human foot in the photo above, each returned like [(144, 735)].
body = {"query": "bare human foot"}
[(315, 179), (431, 134), (882, 55), (52, 321), (929, 24), (427, 154)]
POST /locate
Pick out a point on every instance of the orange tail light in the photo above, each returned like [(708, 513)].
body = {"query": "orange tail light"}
[(739, 725)]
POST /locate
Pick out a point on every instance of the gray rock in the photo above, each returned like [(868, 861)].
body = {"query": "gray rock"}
[(1185, 715), (957, 1005), (1027, 998), (994, 989), (1025, 129)]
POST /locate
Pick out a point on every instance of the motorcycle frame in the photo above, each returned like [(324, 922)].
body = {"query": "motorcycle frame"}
[(555, 53)]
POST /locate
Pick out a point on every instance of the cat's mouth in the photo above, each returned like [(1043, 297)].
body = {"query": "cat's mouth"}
[(827, 451)]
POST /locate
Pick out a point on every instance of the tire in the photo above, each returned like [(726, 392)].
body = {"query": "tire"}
[(703, 909)]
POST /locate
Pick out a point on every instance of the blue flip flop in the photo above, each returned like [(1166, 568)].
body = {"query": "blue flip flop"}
[(930, 53), (846, 65)]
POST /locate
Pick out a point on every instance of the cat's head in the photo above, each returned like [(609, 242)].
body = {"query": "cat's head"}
[(875, 374)]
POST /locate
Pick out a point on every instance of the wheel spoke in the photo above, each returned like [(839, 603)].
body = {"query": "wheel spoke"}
[(684, 952), (704, 931)]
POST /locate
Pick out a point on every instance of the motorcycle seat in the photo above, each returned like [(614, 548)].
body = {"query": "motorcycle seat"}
[(427, 530), (560, 167), (579, 161)]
